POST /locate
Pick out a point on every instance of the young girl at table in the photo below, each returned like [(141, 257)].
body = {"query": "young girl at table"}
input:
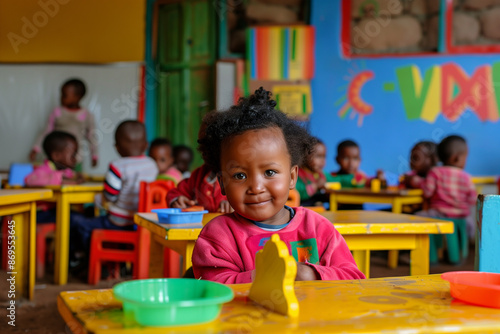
[(423, 157), (71, 117), (201, 188), (161, 152), (255, 151), (60, 148), (311, 179)]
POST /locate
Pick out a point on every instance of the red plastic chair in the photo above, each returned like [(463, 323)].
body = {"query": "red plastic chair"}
[(151, 195), (42, 233)]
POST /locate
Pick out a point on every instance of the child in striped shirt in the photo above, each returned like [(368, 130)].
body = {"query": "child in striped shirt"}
[(121, 186)]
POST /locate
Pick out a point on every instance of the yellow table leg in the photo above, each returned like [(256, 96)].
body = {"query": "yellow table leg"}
[(156, 259), (333, 202), (419, 257), (62, 240), (21, 265), (362, 258), (187, 257), (393, 257), (32, 251)]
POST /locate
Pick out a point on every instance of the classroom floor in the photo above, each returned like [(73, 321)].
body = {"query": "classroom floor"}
[(41, 316)]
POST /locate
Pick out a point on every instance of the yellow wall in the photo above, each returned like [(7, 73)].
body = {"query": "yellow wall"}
[(81, 31)]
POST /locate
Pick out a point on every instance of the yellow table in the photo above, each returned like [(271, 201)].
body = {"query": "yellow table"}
[(365, 231), (180, 238), (481, 181), (64, 196), (21, 204), (416, 304), (396, 197)]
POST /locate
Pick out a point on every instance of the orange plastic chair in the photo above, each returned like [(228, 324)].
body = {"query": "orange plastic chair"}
[(293, 198), (151, 195)]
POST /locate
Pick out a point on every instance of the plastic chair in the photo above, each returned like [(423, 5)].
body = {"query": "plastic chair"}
[(457, 244), (151, 195), (43, 231), (488, 234)]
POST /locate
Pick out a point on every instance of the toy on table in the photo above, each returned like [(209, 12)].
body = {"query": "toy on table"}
[(275, 271), (475, 287), (178, 216), (171, 301)]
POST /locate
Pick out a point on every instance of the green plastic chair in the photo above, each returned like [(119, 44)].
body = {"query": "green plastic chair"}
[(457, 243)]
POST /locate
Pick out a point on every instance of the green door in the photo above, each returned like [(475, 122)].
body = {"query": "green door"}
[(186, 57)]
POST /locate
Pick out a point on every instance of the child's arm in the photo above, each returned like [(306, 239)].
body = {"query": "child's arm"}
[(112, 184), (50, 127), (217, 262), (429, 184), (183, 195), (41, 177)]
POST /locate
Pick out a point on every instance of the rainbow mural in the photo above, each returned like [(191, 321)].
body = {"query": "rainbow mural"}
[(281, 53)]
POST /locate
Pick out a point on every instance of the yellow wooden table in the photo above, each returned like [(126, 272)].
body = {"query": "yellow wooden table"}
[(64, 196), (365, 231), (21, 204), (484, 181), (396, 197), (180, 238), (416, 304)]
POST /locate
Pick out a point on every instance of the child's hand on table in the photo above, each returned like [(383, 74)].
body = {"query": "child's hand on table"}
[(182, 202), (225, 207), (76, 179), (305, 272)]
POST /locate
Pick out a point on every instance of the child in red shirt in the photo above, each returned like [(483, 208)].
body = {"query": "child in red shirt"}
[(255, 151)]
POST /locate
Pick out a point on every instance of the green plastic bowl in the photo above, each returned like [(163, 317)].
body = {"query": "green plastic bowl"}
[(172, 301)]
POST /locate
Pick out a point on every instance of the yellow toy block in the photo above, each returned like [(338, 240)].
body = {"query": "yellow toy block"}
[(275, 271)]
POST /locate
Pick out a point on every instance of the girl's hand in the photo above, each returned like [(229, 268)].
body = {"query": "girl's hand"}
[(182, 202), (321, 183), (225, 207), (305, 272)]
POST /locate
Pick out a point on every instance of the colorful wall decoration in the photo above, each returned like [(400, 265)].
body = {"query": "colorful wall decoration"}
[(281, 53), (389, 103)]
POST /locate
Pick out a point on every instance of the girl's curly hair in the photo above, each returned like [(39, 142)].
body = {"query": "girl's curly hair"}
[(255, 112)]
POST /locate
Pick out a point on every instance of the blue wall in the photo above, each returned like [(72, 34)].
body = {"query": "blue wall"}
[(387, 135)]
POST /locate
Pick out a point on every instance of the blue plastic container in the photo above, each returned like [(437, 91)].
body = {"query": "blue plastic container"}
[(18, 172), (176, 216)]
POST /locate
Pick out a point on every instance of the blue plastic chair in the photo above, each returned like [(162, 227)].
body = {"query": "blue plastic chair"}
[(18, 172), (457, 243), (488, 234)]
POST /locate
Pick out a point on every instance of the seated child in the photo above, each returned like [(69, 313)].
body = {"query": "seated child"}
[(183, 157), (311, 180), (161, 151), (201, 188), (448, 188), (422, 158), (61, 149), (255, 151), (121, 186)]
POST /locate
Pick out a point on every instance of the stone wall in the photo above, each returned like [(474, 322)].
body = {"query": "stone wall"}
[(241, 14), (405, 26)]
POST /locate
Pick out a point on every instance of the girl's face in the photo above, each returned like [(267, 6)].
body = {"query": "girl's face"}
[(317, 160), (163, 156), (257, 175), (420, 160)]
